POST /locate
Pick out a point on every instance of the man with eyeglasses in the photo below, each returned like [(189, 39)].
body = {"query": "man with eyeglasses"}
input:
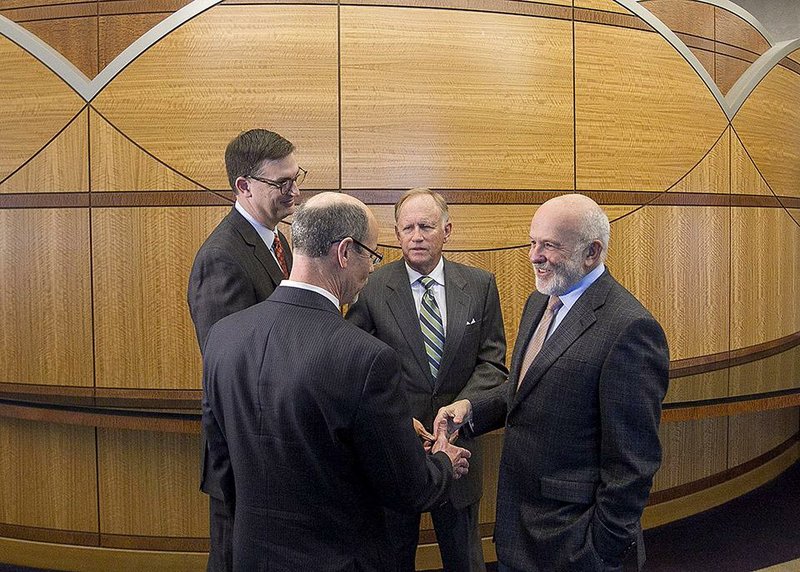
[(309, 411), (239, 265), (444, 320)]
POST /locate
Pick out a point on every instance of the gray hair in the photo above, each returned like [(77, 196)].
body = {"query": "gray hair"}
[(315, 228), (596, 227)]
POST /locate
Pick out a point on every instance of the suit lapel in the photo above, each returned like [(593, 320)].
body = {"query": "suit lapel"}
[(260, 250), (458, 302), (401, 304), (580, 317), (287, 251)]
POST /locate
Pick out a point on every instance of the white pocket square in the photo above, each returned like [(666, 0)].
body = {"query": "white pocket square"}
[(472, 321)]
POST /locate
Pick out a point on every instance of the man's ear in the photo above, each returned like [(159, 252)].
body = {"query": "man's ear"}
[(242, 187), (593, 252), (343, 251), (448, 228)]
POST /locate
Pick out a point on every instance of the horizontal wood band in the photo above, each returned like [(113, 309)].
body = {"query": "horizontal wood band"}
[(51, 12), (789, 63), (736, 52), (224, 197), (611, 19), (163, 543), (512, 7), (713, 480), (697, 42), (52, 535), (727, 406)]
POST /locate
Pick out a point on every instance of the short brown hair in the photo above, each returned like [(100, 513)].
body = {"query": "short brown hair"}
[(248, 150)]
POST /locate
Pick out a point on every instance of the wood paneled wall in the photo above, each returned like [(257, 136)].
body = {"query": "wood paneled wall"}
[(498, 105)]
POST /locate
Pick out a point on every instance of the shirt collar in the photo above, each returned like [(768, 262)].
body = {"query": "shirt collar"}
[(437, 273), (311, 287), (569, 299), (267, 235)]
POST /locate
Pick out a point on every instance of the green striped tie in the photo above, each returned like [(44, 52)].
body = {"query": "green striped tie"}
[(430, 320)]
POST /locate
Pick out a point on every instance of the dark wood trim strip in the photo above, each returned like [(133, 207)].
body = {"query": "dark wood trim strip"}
[(615, 19), (134, 7), (223, 197), (728, 406), (722, 360), (65, 11), (735, 52), (790, 64), (659, 497), (697, 42), (160, 543), (181, 399), (142, 420), (512, 7), (161, 198), (50, 535)]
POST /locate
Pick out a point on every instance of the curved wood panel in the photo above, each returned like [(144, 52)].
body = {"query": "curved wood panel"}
[(704, 441), (74, 37), (745, 178), (421, 101), (143, 474), (119, 165), (765, 289), (709, 385), (117, 32), (29, 90), (604, 5), (686, 16), (144, 336), (757, 433), (774, 373), (45, 297), (769, 126), (649, 254), (623, 127), (284, 60), (733, 30), (49, 475), (59, 167), (712, 174), (728, 71)]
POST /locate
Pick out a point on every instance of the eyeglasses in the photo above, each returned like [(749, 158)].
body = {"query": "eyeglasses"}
[(375, 257), (286, 185)]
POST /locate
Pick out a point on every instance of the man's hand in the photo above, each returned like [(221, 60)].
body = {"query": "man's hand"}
[(426, 437), (451, 417), (458, 456)]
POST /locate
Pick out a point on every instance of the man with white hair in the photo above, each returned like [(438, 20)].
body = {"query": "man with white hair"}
[(581, 407)]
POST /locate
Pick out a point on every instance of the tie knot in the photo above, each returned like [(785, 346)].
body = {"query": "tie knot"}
[(427, 281), (554, 304)]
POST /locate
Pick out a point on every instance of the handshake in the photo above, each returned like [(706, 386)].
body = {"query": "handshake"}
[(445, 431)]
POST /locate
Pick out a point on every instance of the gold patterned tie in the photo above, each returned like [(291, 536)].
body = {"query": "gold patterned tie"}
[(277, 247), (430, 320), (537, 340)]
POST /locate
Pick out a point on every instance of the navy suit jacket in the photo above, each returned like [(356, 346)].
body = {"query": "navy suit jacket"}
[(474, 350), (309, 411), (233, 270), (581, 433)]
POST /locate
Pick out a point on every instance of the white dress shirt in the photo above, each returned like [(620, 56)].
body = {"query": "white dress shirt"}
[(267, 235), (417, 289), (568, 300)]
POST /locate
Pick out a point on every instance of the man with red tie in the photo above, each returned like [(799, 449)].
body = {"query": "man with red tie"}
[(239, 265)]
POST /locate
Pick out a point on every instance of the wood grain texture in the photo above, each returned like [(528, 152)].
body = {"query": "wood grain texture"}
[(624, 125), (45, 304), (733, 30), (74, 38), (604, 5), (29, 90), (766, 288), (712, 174), (756, 433), (119, 165), (709, 385), (133, 7), (8, 4), (728, 71), (781, 371), (49, 477), (769, 126), (421, 100), (62, 166), (117, 32), (144, 336), (691, 451), (686, 16), (745, 178), (706, 59), (149, 484), (648, 254), (231, 69)]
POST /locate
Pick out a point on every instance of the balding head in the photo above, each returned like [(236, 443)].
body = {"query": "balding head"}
[(569, 238)]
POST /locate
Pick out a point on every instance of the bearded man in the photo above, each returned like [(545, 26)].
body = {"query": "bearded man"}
[(581, 407)]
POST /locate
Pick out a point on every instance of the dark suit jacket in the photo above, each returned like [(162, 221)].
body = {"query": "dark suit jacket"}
[(233, 270), (581, 438), (474, 351), (318, 433)]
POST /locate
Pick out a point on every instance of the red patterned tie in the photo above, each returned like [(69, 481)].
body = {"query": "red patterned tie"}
[(277, 247), (537, 340)]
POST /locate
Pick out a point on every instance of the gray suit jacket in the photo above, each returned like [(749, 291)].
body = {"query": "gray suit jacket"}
[(581, 439), (474, 352), (233, 270), (308, 409)]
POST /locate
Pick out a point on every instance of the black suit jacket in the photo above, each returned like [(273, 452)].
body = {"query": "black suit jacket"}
[(474, 351), (581, 439), (319, 436), (233, 270)]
